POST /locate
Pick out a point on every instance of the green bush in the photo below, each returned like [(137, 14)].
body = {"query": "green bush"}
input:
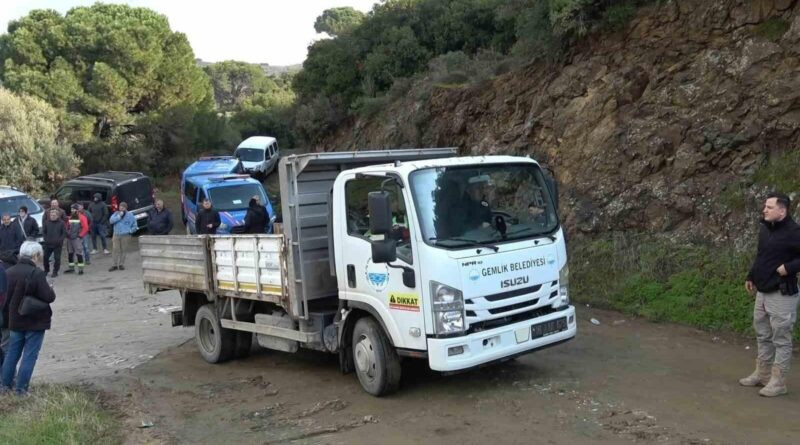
[(618, 15), (687, 282), (780, 172), (773, 28)]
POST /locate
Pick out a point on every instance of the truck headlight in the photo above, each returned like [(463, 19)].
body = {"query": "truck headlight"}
[(563, 287), (448, 309)]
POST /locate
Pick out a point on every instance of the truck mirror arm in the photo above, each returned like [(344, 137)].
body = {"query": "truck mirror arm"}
[(409, 279)]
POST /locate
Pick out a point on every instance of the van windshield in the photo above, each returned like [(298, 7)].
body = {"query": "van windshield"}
[(235, 197), (464, 205), (250, 154)]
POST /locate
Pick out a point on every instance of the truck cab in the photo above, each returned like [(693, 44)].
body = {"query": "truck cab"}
[(466, 262), (221, 180)]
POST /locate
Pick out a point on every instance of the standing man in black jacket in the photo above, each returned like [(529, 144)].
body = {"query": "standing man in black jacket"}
[(11, 236), (773, 278), (207, 221), (159, 220), (256, 218), (54, 233), (28, 224)]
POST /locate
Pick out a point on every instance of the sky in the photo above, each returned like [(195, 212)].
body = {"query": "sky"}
[(277, 32)]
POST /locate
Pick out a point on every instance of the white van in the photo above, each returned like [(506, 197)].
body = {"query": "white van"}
[(259, 155)]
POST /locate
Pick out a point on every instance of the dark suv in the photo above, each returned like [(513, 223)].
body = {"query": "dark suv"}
[(114, 187)]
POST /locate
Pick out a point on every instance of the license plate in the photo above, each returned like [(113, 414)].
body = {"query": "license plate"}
[(548, 327)]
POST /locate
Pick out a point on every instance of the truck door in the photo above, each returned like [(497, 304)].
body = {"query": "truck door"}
[(379, 285)]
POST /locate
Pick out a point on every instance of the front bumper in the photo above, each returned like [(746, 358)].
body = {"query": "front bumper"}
[(494, 344)]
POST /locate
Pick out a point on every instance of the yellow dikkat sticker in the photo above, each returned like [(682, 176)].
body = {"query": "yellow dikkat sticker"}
[(404, 302)]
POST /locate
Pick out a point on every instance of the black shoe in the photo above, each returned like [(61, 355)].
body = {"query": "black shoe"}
[(55, 274), (69, 271), (80, 271), (113, 269), (121, 267)]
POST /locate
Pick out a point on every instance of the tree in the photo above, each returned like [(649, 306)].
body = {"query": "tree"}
[(235, 83), (338, 21), (111, 62), (33, 154)]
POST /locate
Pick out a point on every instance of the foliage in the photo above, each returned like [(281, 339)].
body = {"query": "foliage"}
[(618, 15), (236, 83), (338, 21), (111, 62), (33, 153), (773, 28), (686, 282), (56, 414), (780, 172)]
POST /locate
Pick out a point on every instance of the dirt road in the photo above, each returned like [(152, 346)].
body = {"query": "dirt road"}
[(618, 382)]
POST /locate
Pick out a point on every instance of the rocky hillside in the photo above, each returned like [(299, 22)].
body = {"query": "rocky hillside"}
[(653, 127)]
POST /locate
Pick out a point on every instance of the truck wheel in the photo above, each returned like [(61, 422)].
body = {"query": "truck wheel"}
[(244, 342), (376, 362), (216, 344)]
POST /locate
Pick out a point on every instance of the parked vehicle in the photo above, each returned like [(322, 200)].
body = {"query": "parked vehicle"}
[(11, 199), (230, 193), (259, 155), (114, 187), (459, 261)]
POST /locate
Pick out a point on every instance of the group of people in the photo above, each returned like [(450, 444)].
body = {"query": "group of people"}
[(256, 220), (26, 293)]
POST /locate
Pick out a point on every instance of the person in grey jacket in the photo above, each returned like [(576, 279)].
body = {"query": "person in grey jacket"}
[(98, 210)]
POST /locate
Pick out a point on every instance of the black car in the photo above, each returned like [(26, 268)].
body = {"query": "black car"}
[(114, 187)]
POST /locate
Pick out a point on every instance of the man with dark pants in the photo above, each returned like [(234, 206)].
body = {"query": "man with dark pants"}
[(54, 233), (773, 278), (99, 213)]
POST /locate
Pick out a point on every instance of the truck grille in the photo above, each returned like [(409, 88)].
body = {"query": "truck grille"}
[(497, 310)]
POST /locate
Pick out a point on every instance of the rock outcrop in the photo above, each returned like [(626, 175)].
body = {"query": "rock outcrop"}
[(645, 128)]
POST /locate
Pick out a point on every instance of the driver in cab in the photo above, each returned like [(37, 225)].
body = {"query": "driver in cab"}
[(477, 212)]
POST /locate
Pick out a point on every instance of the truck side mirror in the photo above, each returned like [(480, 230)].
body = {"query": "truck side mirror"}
[(380, 212), (384, 251)]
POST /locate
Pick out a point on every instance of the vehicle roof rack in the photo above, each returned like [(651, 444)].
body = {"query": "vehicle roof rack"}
[(215, 158), (97, 178), (126, 173), (226, 177)]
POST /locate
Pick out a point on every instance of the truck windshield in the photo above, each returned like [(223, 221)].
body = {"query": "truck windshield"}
[(235, 197), (250, 154), (465, 206)]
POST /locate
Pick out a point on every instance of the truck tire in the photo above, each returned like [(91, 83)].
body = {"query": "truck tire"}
[(244, 342), (377, 364), (216, 344)]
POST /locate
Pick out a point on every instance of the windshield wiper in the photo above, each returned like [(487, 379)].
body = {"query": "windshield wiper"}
[(525, 229), (470, 242)]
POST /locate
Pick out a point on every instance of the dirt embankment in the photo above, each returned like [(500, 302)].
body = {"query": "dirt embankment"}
[(645, 127)]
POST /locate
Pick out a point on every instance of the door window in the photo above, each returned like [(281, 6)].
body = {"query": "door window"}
[(190, 191), (356, 191)]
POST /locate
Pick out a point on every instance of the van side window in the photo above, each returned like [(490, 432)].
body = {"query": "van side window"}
[(202, 196), (190, 191), (356, 191)]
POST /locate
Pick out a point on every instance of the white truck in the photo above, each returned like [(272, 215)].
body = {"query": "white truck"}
[(383, 256)]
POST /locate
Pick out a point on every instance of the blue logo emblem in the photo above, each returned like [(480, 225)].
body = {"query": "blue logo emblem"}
[(377, 279), (551, 259), (377, 275), (474, 275)]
